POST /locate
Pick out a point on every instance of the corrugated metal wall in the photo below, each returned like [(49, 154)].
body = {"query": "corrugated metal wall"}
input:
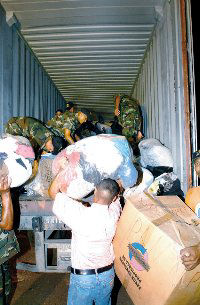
[(159, 88), (25, 87), (191, 68)]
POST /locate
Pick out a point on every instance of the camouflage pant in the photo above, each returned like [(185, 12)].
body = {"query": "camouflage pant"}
[(5, 283)]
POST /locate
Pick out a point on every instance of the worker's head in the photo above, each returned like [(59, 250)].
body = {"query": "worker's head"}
[(58, 144), (70, 106), (106, 191), (55, 144), (82, 117), (58, 113), (196, 160)]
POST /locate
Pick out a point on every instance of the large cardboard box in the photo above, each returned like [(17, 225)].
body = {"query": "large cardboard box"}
[(150, 234)]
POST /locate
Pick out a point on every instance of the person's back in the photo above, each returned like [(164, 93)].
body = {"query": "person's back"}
[(93, 229), (42, 138), (68, 119), (68, 123), (30, 128), (93, 236), (129, 114)]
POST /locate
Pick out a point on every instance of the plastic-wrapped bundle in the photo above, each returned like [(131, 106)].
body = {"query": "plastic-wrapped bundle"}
[(16, 158), (103, 128), (145, 179), (154, 154), (40, 183), (84, 164), (166, 184)]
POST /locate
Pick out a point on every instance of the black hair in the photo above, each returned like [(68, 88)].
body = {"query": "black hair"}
[(69, 105), (109, 185), (59, 143), (59, 110), (86, 128)]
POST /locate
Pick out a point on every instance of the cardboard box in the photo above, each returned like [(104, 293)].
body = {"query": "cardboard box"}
[(150, 234)]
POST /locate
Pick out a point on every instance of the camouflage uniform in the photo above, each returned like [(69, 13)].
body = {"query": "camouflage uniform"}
[(8, 248), (130, 117), (68, 120), (30, 128)]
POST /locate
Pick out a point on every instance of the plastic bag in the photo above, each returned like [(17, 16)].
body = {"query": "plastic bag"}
[(85, 163), (154, 154), (40, 183), (16, 158)]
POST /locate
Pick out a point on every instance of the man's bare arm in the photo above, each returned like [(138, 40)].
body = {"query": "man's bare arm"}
[(6, 222), (54, 187), (68, 137), (117, 102)]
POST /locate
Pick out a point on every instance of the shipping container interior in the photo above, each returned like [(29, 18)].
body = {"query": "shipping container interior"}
[(87, 51)]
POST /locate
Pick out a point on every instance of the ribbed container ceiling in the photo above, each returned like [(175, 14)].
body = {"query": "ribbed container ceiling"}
[(92, 49)]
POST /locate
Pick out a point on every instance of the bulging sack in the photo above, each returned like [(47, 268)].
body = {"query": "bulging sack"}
[(154, 154), (85, 163), (39, 184), (16, 158)]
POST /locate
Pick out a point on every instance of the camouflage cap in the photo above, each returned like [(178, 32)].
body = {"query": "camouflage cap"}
[(195, 155)]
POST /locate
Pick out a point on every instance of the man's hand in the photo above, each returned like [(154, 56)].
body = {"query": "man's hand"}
[(190, 257), (58, 185), (4, 184), (77, 137), (117, 112)]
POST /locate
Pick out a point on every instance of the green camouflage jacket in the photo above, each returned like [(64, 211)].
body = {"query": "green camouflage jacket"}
[(31, 128), (68, 120), (130, 116)]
